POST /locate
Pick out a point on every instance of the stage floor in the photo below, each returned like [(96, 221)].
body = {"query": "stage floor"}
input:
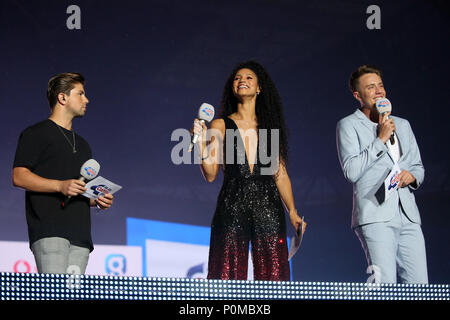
[(33, 286)]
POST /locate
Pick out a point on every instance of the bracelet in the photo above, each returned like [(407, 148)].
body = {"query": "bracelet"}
[(205, 157)]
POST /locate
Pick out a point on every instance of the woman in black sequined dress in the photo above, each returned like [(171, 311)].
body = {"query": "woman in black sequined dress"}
[(250, 204)]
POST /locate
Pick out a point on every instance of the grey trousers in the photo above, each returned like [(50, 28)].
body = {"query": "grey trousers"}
[(395, 248), (57, 255)]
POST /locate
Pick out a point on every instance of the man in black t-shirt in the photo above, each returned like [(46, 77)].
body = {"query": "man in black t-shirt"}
[(47, 165)]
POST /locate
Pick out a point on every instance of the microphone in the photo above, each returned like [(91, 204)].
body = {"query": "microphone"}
[(384, 106), (205, 113), (89, 170)]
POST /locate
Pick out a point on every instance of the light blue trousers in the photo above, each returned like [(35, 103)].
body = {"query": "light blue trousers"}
[(57, 255), (395, 248)]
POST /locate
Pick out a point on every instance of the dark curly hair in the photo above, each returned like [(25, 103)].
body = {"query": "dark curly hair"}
[(269, 109)]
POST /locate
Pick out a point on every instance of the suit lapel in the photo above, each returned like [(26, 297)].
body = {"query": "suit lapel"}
[(366, 122), (369, 125), (400, 134)]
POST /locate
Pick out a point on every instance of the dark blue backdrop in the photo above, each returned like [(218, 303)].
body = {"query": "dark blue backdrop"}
[(150, 64)]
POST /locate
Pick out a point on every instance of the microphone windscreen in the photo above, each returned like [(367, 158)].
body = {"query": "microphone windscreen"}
[(90, 169), (383, 105), (206, 112)]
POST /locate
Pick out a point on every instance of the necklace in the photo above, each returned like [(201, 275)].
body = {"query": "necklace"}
[(74, 150)]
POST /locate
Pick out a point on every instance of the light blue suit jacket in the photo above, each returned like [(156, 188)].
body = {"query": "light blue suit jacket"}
[(366, 162)]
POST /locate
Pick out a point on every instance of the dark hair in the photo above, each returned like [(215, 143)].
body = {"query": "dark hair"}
[(354, 77), (63, 82), (269, 110)]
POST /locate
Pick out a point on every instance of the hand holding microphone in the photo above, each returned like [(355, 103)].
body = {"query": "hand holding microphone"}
[(205, 113), (198, 128), (386, 129), (72, 187), (386, 124)]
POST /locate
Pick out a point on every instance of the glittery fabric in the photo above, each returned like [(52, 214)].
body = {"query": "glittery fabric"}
[(249, 210)]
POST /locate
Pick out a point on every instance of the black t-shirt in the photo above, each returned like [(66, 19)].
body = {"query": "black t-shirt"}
[(44, 150)]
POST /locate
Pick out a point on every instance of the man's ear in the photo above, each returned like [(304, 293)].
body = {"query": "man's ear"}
[(357, 96), (62, 98)]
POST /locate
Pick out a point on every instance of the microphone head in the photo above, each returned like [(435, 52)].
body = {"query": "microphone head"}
[(383, 105), (206, 112), (89, 170)]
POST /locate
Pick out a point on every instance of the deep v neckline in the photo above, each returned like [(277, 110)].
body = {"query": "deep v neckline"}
[(250, 169)]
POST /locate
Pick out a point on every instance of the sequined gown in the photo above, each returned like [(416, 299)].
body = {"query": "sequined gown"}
[(249, 210)]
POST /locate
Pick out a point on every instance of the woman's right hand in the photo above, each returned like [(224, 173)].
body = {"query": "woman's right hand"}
[(198, 128)]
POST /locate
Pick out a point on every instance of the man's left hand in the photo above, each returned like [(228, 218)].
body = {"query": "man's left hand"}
[(405, 178), (105, 202)]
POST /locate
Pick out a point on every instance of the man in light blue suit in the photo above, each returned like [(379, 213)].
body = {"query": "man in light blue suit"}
[(389, 229)]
